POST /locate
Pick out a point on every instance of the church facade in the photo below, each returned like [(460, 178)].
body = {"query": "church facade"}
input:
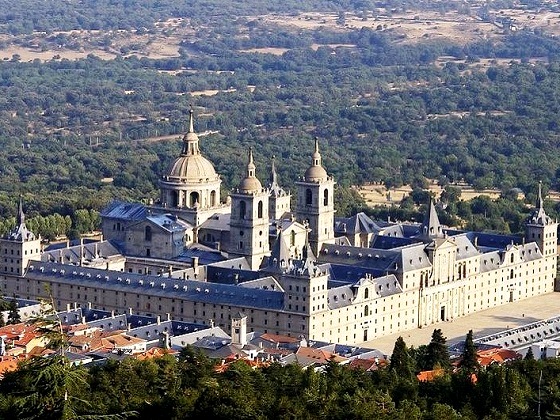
[(306, 273)]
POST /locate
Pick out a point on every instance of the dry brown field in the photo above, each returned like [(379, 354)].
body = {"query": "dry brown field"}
[(165, 37), (378, 195)]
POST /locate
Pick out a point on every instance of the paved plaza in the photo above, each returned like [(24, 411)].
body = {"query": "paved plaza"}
[(482, 323)]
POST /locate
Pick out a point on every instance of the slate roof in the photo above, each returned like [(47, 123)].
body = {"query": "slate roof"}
[(124, 211), (192, 290), (358, 223), (90, 251), (219, 222)]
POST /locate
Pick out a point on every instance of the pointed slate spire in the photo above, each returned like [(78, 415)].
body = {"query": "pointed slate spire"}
[(21, 214), (540, 204), (431, 227), (20, 232), (273, 174), (280, 253), (539, 216)]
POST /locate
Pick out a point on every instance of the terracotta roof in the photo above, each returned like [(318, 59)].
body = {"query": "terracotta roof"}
[(321, 356), (430, 375), (9, 363), (498, 356), (367, 364), (120, 340), (153, 353)]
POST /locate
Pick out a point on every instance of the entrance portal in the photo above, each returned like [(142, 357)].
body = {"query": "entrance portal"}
[(442, 313)]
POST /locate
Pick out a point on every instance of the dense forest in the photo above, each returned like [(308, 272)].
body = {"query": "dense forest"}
[(189, 387), (74, 131)]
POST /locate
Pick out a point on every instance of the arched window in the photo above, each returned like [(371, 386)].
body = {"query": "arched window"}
[(308, 197), (213, 198), (174, 198), (366, 293), (292, 238), (242, 209), (366, 310), (148, 233), (260, 210), (326, 197), (193, 199), (512, 257)]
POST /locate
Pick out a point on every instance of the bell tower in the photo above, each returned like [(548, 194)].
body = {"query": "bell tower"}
[(249, 219), (315, 202)]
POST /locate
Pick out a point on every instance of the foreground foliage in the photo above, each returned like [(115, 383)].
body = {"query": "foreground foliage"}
[(189, 388)]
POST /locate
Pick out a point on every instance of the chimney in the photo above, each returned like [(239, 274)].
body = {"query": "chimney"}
[(170, 270), (168, 316), (158, 320), (96, 251), (60, 256), (75, 305), (83, 320), (89, 305), (195, 265), (68, 307), (130, 311), (67, 243), (112, 314)]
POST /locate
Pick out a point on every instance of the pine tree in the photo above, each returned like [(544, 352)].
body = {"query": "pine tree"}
[(401, 362), (529, 355), (437, 351), (13, 316), (469, 361)]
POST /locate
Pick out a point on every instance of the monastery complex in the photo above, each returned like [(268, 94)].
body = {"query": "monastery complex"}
[(286, 263)]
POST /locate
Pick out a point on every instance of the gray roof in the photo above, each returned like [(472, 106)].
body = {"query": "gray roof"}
[(198, 291), (168, 222), (465, 248), (218, 221), (340, 297), (413, 258), (490, 261), (380, 259), (359, 223), (124, 211), (90, 251)]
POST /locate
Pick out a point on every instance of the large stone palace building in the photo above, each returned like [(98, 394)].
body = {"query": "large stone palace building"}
[(302, 273)]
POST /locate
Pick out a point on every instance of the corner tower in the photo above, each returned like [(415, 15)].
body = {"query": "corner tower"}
[(249, 219), (191, 187), (540, 228), (315, 202), (19, 247)]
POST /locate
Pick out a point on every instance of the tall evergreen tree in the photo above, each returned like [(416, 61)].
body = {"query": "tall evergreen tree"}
[(437, 351), (469, 361), (13, 316), (401, 362), (529, 355)]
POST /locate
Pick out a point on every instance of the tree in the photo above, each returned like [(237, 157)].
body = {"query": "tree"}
[(401, 362), (529, 355), (13, 315), (437, 352), (469, 360)]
